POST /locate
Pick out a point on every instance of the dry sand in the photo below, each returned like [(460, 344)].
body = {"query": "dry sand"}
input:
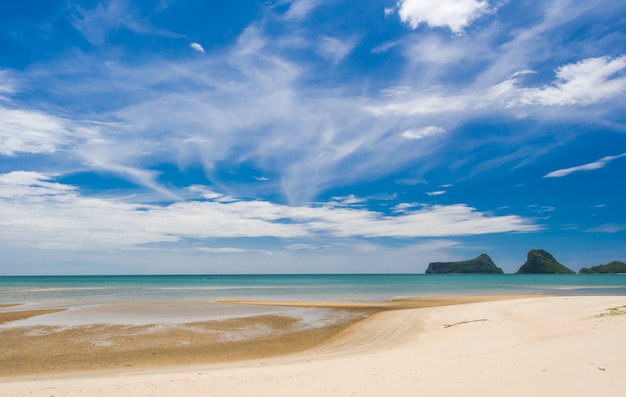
[(542, 346)]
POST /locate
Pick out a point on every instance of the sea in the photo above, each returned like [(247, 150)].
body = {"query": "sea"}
[(148, 299)]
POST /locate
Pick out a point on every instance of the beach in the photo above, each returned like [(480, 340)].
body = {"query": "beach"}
[(519, 346)]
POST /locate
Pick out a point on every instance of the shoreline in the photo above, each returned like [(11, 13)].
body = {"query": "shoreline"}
[(541, 346)]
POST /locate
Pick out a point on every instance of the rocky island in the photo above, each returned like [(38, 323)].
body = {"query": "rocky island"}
[(542, 262), (480, 264), (612, 267)]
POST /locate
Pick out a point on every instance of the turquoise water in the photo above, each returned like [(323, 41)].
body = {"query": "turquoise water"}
[(187, 298), (296, 287)]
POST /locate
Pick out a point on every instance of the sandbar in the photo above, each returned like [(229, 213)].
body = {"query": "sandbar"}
[(4, 305), (5, 317)]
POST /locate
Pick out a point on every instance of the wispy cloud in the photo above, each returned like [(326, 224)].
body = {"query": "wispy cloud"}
[(608, 228), (436, 50), (6, 85), (253, 101), (334, 48), (109, 16), (585, 167), (583, 83), (231, 250), (301, 8)]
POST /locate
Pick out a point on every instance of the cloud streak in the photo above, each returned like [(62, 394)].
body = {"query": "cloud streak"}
[(422, 133), (596, 165), (109, 16)]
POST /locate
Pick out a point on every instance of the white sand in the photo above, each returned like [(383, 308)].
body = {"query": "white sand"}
[(551, 346)]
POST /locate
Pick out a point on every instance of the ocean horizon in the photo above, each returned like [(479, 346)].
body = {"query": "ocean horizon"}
[(324, 287)]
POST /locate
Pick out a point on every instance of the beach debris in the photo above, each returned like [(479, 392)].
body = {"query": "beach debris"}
[(464, 322), (601, 368)]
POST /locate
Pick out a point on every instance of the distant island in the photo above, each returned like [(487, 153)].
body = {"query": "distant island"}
[(542, 262), (538, 261), (480, 264), (612, 267)]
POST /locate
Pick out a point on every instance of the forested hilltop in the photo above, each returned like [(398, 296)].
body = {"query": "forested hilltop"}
[(542, 262), (612, 267), (480, 264)]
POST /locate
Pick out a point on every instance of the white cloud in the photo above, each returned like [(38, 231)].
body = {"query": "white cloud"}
[(346, 200), (428, 221), (423, 132), (36, 211), (381, 49), (433, 102), (29, 131), (436, 193), (302, 247), (404, 207), (586, 82), (411, 181), (585, 167), (205, 192), (230, 250), (454, 14), (389, 10), (196, 46)]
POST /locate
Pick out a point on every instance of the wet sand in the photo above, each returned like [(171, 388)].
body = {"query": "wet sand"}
[(49, 349), (21, 315)]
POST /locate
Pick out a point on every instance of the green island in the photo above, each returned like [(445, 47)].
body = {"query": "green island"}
[(542, 262), (612, 267), (480, 264)]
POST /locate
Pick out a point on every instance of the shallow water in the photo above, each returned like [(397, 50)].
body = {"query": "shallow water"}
[(183, 298)]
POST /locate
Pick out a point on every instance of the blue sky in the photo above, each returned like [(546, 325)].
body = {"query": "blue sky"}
[(308, 136)]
